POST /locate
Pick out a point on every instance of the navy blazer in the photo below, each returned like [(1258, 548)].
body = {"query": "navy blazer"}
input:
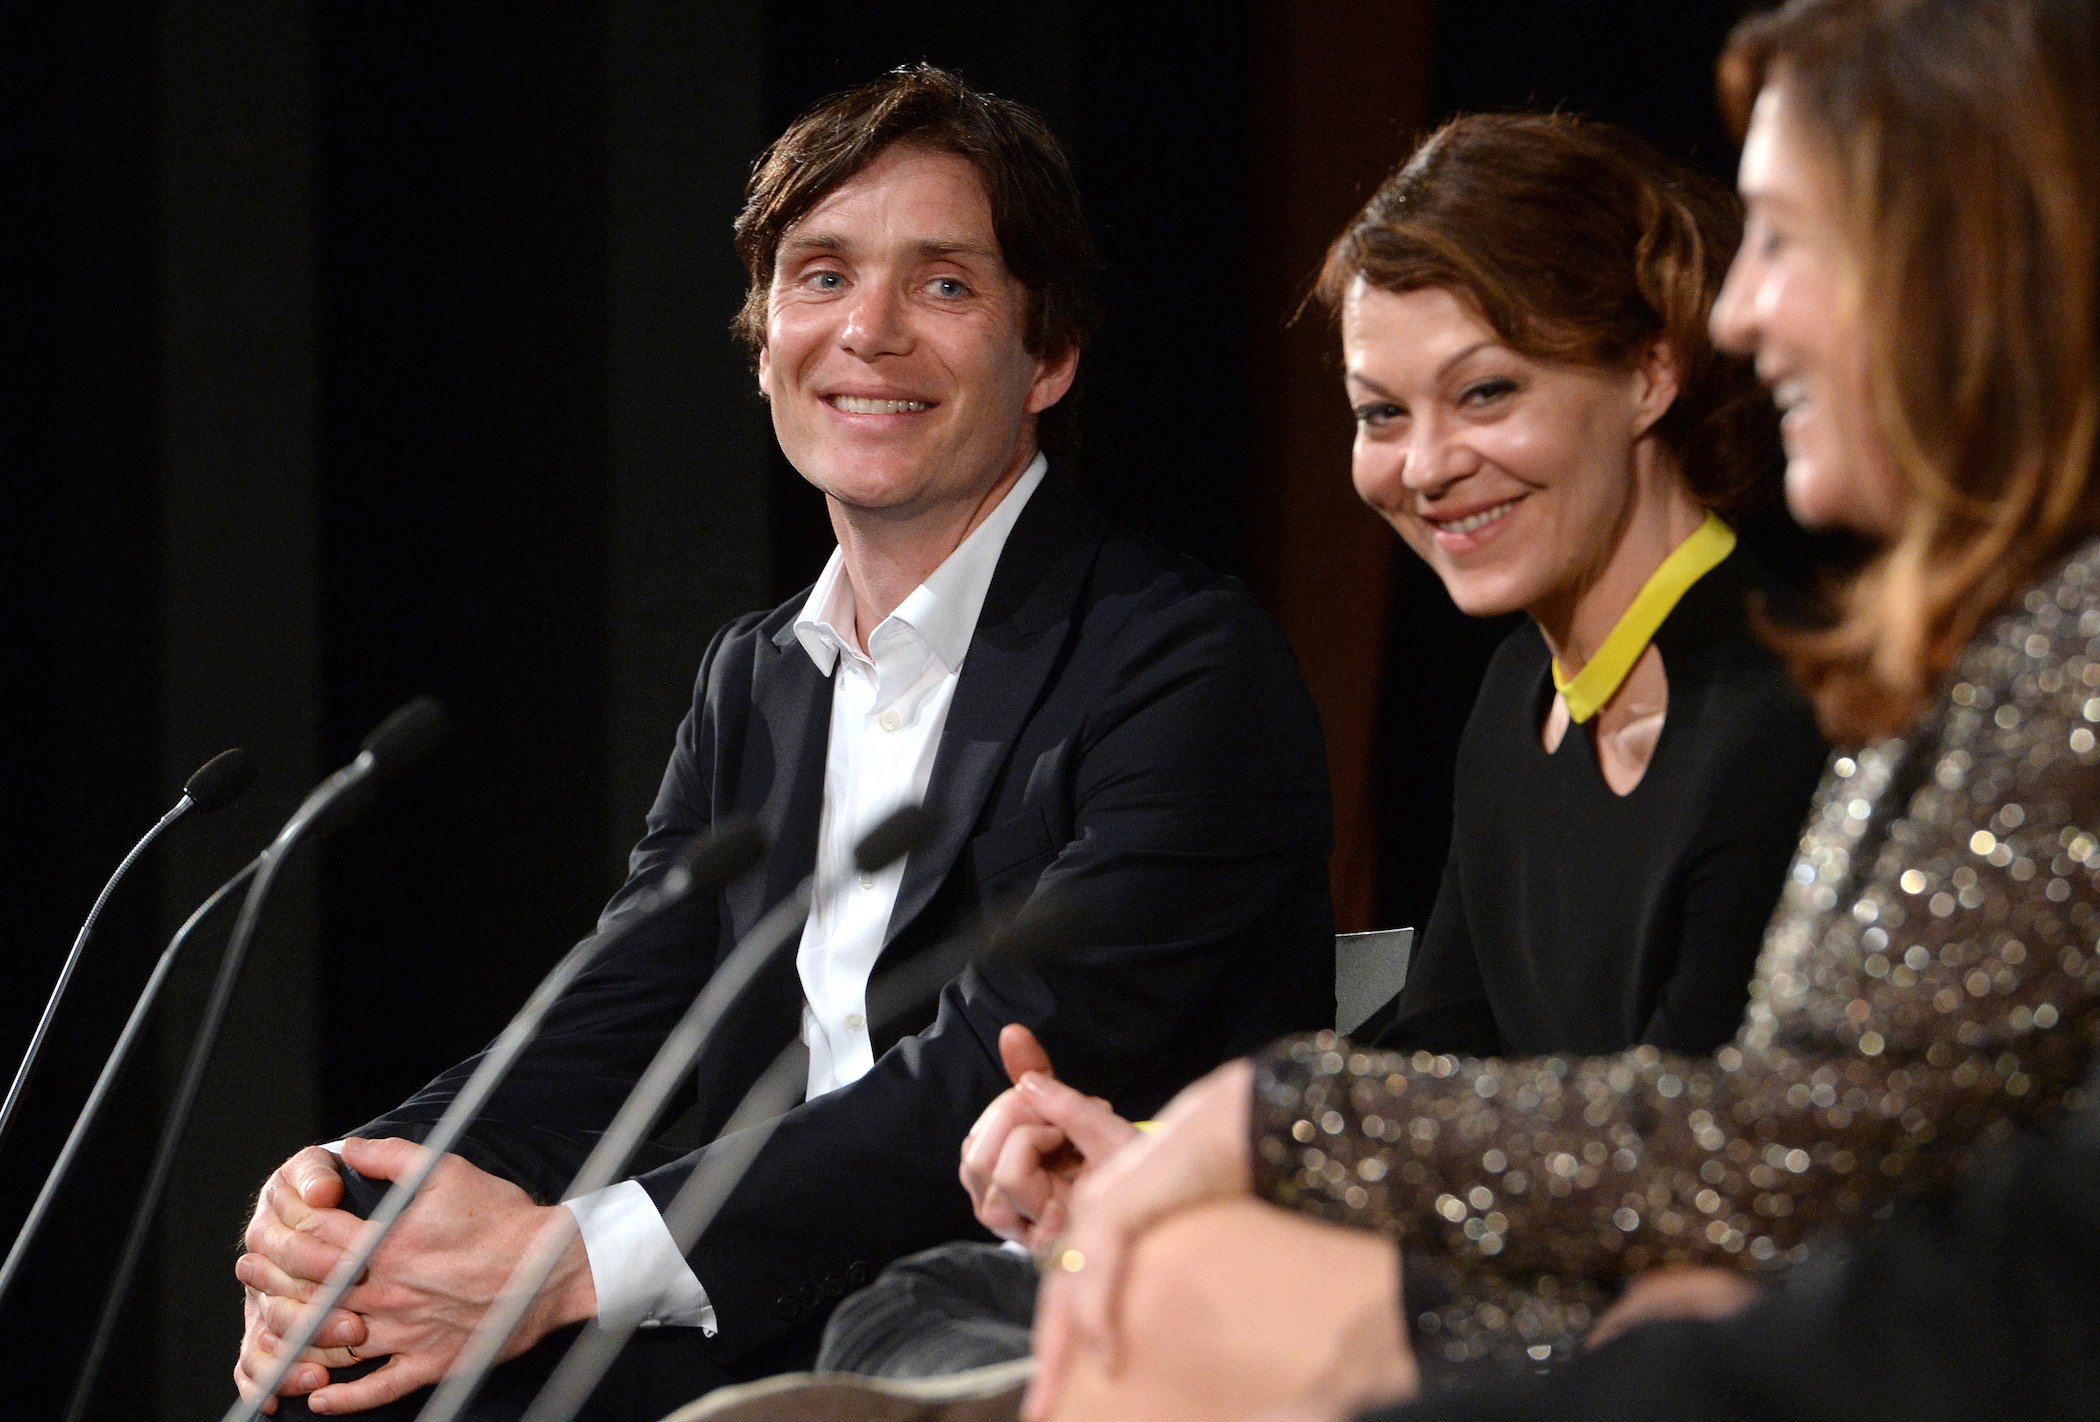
[(1130, 735)]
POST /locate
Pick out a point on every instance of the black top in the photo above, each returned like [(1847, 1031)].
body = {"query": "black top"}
[(1575, 919)]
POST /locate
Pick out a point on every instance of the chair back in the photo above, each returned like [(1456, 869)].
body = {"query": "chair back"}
[(1369, 969)]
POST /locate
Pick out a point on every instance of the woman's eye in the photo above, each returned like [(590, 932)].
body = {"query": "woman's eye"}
[(1486, 392), (1762, 237), (1375, 415)]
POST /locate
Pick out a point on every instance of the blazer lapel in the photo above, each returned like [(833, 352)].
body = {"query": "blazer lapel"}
[(785, 753), (1024, 625)]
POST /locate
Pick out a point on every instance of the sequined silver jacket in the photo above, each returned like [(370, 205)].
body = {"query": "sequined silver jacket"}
[(1929, 979)]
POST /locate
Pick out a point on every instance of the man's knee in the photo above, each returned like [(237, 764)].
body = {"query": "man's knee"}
[(951, 1307)]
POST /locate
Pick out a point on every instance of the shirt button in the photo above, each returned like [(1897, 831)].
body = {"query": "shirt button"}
[(855, 1022), (867, 881), (889, 720)]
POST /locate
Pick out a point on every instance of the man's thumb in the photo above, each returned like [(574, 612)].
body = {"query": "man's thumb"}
[(383, 1158)]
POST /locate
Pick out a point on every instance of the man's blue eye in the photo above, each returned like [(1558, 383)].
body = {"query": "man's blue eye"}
[(825, 281), (949, 286)]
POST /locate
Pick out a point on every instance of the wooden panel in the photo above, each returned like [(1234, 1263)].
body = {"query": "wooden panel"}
[(1338, 93)]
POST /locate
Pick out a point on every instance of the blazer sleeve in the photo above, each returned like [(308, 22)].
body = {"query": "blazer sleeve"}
[(1197, 853)]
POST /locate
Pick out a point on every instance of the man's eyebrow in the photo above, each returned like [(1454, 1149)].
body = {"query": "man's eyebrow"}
[(801, 242), (797, 244), (958, 247)]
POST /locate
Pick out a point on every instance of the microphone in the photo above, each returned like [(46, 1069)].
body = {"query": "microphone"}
[(705, 867), (402, 739), (895, 836), (1044, 924), (215, 785), (399, 741)]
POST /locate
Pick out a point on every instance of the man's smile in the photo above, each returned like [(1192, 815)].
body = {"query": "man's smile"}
[(867, 405)]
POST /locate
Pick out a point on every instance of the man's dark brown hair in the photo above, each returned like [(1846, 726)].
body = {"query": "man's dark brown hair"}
[(1042, 232)]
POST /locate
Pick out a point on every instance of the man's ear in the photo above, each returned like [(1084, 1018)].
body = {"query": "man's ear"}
[(1053, 377), (1656, 384), (765, 372)]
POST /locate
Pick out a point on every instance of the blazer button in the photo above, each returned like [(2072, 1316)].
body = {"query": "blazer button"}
[(834, 1287), (787, 1308), (809, 1296), (857, 1273)]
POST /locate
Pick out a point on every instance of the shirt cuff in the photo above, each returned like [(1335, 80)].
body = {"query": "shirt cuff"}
[(640, 1276)]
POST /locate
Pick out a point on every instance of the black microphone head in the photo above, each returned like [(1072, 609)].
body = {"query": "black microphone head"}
[(408, 735), (898, 834), (713, 860), (221, 780)]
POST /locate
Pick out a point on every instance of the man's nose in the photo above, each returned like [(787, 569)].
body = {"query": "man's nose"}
[(877, 323)]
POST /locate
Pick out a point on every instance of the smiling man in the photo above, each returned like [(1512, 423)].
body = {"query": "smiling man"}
[(1093, 722)]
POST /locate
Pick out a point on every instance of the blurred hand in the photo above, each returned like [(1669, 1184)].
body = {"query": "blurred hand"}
[(1199, 1152), (1237, 1309), (1683, 1292)]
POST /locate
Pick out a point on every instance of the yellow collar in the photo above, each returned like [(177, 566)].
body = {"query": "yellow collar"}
[(1599, 680)]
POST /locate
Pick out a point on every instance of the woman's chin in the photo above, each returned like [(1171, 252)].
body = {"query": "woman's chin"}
[(1478, 596)]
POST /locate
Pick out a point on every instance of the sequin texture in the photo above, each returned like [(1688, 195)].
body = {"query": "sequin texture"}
[(1928, 980)]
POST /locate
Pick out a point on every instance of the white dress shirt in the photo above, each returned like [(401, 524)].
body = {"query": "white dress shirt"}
[(887, 710)]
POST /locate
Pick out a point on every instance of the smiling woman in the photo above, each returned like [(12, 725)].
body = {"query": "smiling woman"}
[(1541, 416)]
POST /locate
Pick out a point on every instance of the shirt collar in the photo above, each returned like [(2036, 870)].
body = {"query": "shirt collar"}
[(943, 610)]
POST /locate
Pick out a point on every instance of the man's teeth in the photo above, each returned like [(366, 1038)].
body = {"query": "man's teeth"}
[(855, 405), (1789, 393), (1479, 520)]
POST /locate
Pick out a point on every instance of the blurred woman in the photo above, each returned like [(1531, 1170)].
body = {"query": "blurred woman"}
[(1918, 284)]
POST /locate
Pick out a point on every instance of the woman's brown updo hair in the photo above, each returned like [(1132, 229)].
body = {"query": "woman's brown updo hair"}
[(1578, 242)]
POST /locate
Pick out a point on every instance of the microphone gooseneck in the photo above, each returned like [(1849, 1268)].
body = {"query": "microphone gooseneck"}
[(216, 784), (86, 1120), (706, 866), (895, 836), (401, 740), (1044, 924)]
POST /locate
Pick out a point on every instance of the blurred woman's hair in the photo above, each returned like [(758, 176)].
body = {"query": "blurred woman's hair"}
[(1577, 242), (1962, 143)]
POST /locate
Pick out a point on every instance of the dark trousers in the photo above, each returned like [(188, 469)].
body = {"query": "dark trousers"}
[(949, 1309)]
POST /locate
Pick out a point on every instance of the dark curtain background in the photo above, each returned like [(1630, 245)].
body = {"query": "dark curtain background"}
[(368, 349)]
